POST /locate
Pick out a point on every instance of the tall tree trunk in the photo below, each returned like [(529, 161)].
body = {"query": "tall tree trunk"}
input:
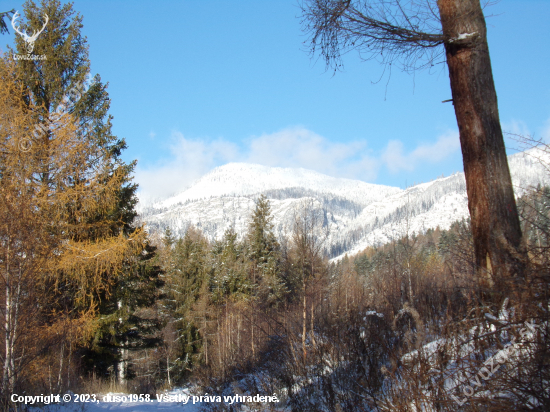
[(205, 340), (122, 364), (304, 322), (313, 343), (60, 374), (495, 223), (10, 323), (6, 377), (168, 369)]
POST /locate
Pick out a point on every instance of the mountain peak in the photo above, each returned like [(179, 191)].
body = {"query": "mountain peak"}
[(247, 179), (357, 214)]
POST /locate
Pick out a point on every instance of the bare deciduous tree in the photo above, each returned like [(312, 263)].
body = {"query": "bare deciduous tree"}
[(416, 34), (308, 237)]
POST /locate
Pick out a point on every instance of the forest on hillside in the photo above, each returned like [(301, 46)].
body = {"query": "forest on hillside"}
[(90, 302), (406, 325)]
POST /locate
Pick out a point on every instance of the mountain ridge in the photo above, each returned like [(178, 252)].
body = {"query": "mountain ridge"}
[(272, 178), (356, 214)]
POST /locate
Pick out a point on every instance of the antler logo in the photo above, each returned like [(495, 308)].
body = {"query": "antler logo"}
[(28, 39)]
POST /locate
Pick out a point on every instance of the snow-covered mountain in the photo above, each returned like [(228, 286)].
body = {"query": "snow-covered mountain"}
[(242, 179), (356, 214)]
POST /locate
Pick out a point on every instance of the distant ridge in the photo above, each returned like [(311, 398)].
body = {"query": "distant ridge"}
[(243, 179), (358, 214)]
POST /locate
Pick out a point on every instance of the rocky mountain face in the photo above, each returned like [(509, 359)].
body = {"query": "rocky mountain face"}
[(353, 214)]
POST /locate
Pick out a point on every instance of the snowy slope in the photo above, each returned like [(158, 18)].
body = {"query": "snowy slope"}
[(243, 179), (357, 214)]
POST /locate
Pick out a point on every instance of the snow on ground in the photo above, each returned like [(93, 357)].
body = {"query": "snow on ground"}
[(168, 404)]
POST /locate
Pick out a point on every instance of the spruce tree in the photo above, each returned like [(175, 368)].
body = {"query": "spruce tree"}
[(52, 280), (187, 276), (128, 322), (362, 265), (230, 280), (3, 26), (58, 86), (265, 254)]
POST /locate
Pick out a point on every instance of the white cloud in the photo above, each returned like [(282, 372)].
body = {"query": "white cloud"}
[(516, 127), (519, 137), (292, 147), (546, 132), (396, 161), (299, 147), (515, 132), (189, 160)]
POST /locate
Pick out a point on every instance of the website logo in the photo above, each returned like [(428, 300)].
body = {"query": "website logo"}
[(28, 39)]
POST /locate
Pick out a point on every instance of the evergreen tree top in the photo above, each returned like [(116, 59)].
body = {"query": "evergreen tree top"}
[(67, 62), (60, 84), (262, 241), (3, 26)]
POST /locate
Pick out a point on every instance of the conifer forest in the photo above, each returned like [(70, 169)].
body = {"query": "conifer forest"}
[(94, 300)]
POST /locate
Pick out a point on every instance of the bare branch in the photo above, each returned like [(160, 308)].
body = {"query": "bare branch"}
[(407, 32)]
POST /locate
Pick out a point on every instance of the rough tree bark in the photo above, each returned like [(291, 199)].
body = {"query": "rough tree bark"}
[(411, 34), (495, 223)]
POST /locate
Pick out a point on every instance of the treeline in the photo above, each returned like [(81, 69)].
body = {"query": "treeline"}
[(400, 327), (405, 325), (218, 297)]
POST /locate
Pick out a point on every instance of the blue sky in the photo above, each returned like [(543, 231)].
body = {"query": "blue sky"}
[(197, 84)]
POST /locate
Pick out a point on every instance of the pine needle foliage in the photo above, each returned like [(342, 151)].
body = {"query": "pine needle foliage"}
[(187, 273), (265, 254), (53, 190), (79, 198), (231, 267)]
